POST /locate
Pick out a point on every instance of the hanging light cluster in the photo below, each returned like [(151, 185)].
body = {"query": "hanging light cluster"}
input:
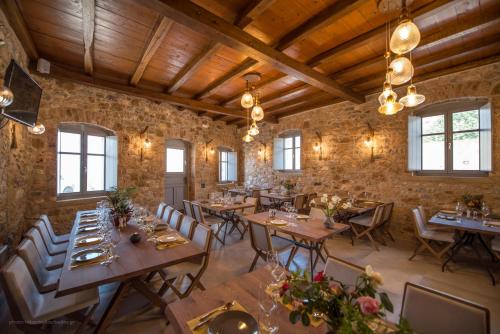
[(250, 100), (400, 70)]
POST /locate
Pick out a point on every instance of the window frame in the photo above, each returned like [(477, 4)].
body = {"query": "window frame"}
[(291, 135), (227, 163), (447, 110), (84, 130)]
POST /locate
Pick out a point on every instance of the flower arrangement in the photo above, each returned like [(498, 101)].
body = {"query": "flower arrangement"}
[(331, 206), (345, 309), (473, 201), (121, 206), (288, 185)]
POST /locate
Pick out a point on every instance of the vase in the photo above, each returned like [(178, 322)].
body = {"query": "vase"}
[(329, 222)]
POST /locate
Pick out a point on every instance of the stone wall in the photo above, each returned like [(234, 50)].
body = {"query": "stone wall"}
[(346, 162)]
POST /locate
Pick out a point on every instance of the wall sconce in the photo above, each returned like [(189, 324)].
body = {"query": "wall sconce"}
[(146, 143), (318, 146), (263, 151), (369, 141), (38, 129), (206, 149)]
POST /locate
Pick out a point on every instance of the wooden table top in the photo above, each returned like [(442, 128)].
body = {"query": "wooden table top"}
[(465, 224), (224, 208), (310, 229), (245, 290), (135, 260), (278, 196), (360, 207)]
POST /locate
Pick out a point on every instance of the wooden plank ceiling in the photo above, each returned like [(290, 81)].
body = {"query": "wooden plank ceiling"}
[(193, 53)]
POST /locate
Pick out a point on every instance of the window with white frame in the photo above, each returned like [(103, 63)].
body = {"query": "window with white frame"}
[(228, 165), (452, 138), (286, 153), (87, 160)]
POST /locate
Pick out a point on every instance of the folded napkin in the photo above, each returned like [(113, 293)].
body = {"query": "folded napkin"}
[(203, 330), (492, 223), (161, 245), (74, 264), (216, 205)]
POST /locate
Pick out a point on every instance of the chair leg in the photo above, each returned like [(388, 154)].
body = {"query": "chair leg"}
[(290, 257), (86, 319), (254, 262), (419, 245), (374, 244)]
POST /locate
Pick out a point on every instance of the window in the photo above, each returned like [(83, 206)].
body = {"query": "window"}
[(452, 138), (286, 155), (86, 160), (175, 160), (228, 165)]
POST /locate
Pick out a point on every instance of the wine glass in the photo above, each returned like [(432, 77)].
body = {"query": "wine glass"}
[(460, 211), (267, 306), (485, 210)]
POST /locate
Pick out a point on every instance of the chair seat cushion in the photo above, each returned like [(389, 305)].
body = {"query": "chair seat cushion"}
[(52, 307), (60, 239), (213, 220), (364, 220), (55, 249), (438, 235), (54, 262), (495, 244), (280, 244)]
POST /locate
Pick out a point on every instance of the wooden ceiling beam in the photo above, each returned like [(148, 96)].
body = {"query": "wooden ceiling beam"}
[(18, 24), (251, 11), (324, 18), (160, 30), (60, 72), (284, 94), (88, 22), (203, 21), (330, 54)]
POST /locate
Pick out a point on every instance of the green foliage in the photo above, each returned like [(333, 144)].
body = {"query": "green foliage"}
[(120, 200)]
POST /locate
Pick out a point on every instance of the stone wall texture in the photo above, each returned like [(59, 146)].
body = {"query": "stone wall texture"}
[(346, 162)]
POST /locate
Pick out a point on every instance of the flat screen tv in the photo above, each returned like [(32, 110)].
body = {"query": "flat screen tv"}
[(27, 95)]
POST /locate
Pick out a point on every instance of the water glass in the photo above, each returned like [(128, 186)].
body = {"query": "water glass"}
[(267, 308), (460, 211), (485, 210)]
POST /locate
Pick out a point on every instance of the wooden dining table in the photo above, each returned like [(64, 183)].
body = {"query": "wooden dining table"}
[(469, 230), (134, 262), (310, 233), (277, 199)]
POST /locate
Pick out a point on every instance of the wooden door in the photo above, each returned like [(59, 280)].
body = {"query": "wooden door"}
[(176, 178)]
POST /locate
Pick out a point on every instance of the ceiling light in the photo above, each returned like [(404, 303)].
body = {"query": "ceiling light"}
[(247, 100), (257, 113), (391, 106), (386, 92), (247, 138), (38, 129), (402, 70), (6, 96), (254, 129), (405, 38), (412, 99)]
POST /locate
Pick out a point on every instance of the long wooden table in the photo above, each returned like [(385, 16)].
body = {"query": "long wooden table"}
[(277, 199), (470, 231), (308, 233), (136, 260), (245, 290)]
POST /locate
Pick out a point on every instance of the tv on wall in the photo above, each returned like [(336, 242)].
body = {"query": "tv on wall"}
[(27, 95)]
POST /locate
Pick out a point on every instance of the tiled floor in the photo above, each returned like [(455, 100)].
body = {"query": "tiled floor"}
[(466, 281)]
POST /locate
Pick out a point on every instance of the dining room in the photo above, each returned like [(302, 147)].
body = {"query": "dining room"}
[(250, 166)]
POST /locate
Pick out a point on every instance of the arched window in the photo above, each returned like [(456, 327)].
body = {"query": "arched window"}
[(286, 151), (451, 138), (228, 165), (87, 160)]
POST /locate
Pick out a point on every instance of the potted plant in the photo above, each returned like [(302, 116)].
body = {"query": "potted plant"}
[(345, 309), (121, 206), (331, 207), (473, 202), (289, 186)]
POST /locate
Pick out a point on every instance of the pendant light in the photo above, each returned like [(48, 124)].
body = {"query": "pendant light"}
[(406, 36), (38, 129), (257, 111), (254, 129), (412, 99), (402, 70), (247, 98), (247, 138), (391, 106)]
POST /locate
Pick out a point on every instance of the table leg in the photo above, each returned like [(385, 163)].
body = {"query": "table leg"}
[(480, 258), (488, 249), (454, 250), (107, 317), (153, 297), (311, 249)]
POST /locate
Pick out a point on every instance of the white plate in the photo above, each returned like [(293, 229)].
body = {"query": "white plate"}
[(166, 238)]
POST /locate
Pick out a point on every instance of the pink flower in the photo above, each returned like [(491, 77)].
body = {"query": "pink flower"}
[(319, 277), (335, 288), (368, 305)]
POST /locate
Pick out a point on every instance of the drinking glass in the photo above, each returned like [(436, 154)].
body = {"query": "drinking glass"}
[(485, 210), (460, 211), (267, 306)]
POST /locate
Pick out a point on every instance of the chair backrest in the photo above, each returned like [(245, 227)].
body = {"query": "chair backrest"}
[(161, 208), (310, 197), (186, 226), (250, 210), (264, 200), (317, 213), (434, 312), (255, 193), (387, 212), (40, 226), (188, 209), (165, 218), (175, 219), (198, 213), (48, 225), (420, 227), (202, 237), (299, 201), (27, 251), (422, 213), (342, 271), (260, 238), (35, 236), (378, 215), (20, 289)]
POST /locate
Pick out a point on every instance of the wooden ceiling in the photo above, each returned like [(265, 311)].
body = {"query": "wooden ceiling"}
[(193, 53)]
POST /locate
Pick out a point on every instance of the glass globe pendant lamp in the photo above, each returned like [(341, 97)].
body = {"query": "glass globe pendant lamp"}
[(38, 129), (257, 111), (412, 99), (247, 99), (402, 70), (405, 38), (254, 129), (6, 96), (247, 138), (391, 106), (386, 93)]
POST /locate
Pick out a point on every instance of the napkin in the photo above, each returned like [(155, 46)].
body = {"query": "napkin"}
[(278, 222), (492, 223), (203, 330)]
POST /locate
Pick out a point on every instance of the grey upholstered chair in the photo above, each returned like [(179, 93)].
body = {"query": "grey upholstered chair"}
[(317, 213), (52, 248), (433, 312), (366, 224), (57, 239), (50, 262), (265, 202), (241, 216), (161, 208), (188, 208), (187, 225), (342, 271), (31, 309), (175, 219), (208, 220), (165, 218), (45, 280)]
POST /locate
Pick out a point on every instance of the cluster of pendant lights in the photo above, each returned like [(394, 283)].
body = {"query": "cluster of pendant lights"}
[(400, 70), (250, 100)]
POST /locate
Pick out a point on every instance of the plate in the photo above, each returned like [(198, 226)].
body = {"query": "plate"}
[(232, 322), (450, 212), (302, 217), (88, 255), (279, 222), (90, 228), (88, 241), (446, 217)]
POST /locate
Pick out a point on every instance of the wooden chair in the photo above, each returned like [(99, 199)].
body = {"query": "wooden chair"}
[(57, 239), (32, 310), (49, 262), (194, 270), (175, 219), (265, 202), (45, 280), (317, 213), (366, 225), (342, 271), (209, 221), (52, 249), (263, 243), (427, 237), (299, 203), (165, 218), (434, 312), (310, 197), (161, 208), (386, 220), (241, 216), (187, 226), (188, 208)]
